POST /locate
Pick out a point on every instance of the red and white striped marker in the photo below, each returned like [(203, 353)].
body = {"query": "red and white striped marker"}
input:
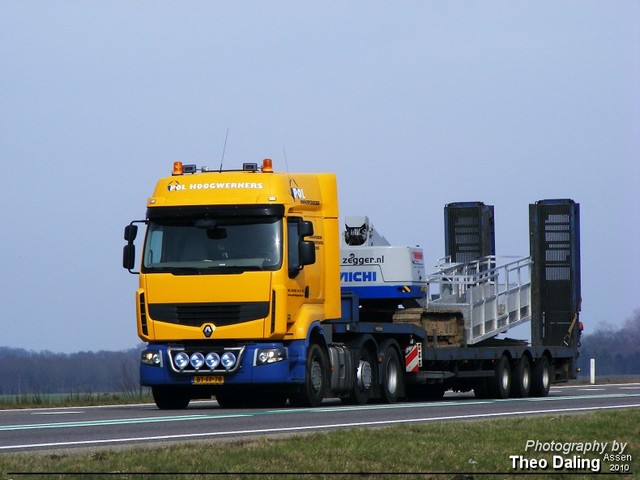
[(412, 358)]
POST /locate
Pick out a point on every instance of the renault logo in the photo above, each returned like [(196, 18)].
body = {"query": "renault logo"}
[(208, 330)]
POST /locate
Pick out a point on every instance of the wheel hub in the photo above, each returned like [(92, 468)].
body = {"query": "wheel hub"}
[(316, 376), (365, 375)]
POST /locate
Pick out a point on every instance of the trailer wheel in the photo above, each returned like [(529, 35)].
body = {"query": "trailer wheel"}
[(500, 383), (391, 376), (541, 378), (521, 381), (365, 379), (170, 398), (316, 379)]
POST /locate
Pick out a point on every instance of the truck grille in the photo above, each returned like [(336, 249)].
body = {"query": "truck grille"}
[(220, 314)]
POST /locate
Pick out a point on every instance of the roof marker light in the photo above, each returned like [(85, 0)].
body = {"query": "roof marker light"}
[(267, 165), (177, 168)]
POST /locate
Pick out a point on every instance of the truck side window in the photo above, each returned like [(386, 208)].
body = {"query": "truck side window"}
[(154, 252), (293, 250)]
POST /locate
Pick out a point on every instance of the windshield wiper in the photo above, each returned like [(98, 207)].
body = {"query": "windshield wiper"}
[(183, 270), (233, 268), (217, 269)]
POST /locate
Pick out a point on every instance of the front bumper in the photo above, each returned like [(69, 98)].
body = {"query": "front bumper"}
[(158, 368)]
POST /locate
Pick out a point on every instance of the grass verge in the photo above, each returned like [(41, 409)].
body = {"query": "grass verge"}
[(41, 400), (460, 450)]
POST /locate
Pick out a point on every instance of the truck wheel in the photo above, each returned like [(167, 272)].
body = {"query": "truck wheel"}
[(316, 379), (500, 383), (391, 376), (170, 398), (521, 381), (366, 377), (541, 378)]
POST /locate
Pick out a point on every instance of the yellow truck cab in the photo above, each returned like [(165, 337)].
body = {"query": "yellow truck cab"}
[(238, 270)]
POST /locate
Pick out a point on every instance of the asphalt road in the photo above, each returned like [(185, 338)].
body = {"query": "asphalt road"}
[(81, 427)]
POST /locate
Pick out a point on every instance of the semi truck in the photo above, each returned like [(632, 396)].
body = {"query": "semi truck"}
[(249, 292)]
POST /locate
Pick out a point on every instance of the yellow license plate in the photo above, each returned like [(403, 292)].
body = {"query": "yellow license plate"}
[(212, 380)]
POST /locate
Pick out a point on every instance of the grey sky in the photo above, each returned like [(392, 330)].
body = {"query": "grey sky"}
[(413, 105)]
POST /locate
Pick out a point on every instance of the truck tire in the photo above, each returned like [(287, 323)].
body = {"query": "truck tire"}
[(541, 378), (500, 383), (316, 379), (365, 377), (170, 398), (521, 378), (392, 376)]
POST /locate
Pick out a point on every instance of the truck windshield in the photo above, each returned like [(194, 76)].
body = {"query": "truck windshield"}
[(212, 245)]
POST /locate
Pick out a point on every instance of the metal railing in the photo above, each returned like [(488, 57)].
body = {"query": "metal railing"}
[(492, 293)]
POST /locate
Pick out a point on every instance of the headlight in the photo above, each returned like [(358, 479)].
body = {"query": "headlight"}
[(181, 360), (228, 360), (197, 360), (265, 356), (151, 357), (212, 360), (187, 361)]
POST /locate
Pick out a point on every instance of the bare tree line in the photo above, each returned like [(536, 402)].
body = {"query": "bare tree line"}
[(616, 351), (25, 372)]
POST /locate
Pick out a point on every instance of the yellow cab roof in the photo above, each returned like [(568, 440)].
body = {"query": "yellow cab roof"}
[(298, 192)]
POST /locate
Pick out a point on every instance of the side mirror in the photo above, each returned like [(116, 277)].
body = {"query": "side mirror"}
[(129, 250), (307, 253), (130, 232), (129, 256), (305, 229), (301, 252), (307, 248)]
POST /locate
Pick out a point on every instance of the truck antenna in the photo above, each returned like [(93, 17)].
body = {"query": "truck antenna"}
[(224, 149), (286, 161)]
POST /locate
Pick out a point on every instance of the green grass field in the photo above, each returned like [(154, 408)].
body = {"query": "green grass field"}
[(36, 400), (460, 450)]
